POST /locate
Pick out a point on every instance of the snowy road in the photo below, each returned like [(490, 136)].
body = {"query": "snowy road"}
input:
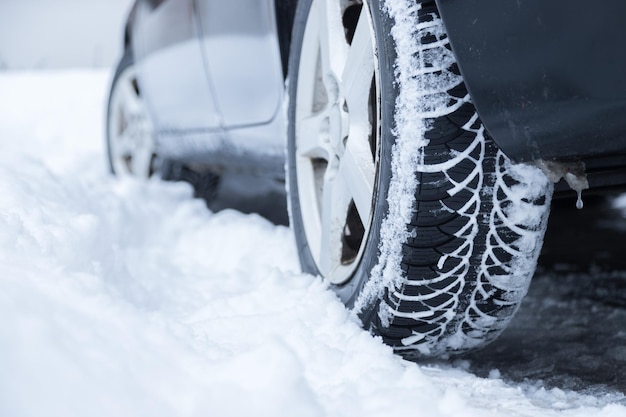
[(571, 329), (132, 299)]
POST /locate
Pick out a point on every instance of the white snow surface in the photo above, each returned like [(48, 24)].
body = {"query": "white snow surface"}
[(128, 298)]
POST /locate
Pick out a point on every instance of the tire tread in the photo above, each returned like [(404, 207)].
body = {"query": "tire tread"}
[(456, 293)]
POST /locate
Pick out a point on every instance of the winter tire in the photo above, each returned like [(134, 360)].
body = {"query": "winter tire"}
[(398, 197), (130, 140)]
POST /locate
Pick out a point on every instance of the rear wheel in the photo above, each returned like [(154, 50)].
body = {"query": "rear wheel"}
[(398, 197), (130, 137)]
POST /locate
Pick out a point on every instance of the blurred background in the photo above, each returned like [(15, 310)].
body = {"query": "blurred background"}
[(50, 34)]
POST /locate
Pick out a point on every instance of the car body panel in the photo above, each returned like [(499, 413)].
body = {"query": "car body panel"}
[(242, 57), (171, 69), (224, 113), (547, 77)]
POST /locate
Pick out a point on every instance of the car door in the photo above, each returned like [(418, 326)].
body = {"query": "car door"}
[(172, 74), (242, 54)]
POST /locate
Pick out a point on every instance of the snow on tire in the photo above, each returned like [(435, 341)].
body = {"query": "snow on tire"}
[(446, 249)]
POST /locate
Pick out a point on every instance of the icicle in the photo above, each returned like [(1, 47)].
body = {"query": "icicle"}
[(579, 202), (577, 184), (572, 172)]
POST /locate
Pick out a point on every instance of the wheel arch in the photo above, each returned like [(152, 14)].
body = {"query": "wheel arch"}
[(527, 67), (285, 14), (129, 25)]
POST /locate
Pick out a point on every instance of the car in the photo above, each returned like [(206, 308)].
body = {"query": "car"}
[(418, 141)]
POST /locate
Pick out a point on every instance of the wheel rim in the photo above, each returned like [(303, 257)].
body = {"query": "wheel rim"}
[(336, 134), (130, 133)]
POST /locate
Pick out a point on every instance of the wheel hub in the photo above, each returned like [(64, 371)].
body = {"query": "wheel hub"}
[(339, 126)]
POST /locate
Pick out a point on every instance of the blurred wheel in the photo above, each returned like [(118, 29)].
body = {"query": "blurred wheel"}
[(398, 197), (130, 136)]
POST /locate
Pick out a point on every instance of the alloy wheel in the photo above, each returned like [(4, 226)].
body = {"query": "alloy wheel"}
[(337, 138), (130, 131)]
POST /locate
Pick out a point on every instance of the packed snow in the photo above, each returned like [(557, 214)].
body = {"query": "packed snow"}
[(130, 298)]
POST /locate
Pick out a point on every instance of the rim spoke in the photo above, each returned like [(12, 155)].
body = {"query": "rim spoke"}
[(312, 134), (359, 69), (124, 145), (336, 201), (307, 84), (131, 102), (357, 168), (333, 44), (141, 162), (357, 164)]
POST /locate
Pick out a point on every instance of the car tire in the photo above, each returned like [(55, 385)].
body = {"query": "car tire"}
[(130, 140), (398, 197)]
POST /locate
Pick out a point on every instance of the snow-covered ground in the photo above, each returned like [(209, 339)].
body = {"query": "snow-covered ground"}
[(122, 298)]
